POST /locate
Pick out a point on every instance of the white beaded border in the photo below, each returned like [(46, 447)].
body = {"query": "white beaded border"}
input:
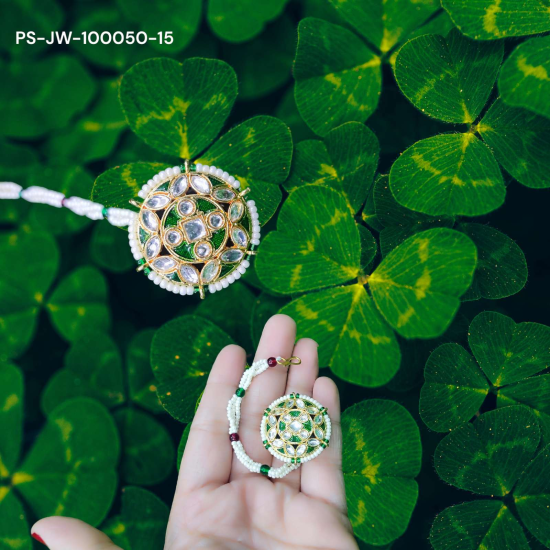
[(234, 418), (314, 454), (182, 288)]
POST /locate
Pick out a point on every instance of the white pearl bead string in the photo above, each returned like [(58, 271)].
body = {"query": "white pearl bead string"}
[(234, 418), (119, 217)]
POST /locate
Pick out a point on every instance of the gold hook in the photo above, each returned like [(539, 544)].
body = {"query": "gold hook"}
[(291, 361)]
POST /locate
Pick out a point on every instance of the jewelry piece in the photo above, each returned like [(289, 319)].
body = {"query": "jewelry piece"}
[(194, 228), (294, 428)]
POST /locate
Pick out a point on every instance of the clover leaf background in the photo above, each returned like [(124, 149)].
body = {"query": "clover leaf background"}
[(398, 155)]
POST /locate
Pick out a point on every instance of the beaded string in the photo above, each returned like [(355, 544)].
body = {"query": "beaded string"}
[(234, 417), (120, 217)]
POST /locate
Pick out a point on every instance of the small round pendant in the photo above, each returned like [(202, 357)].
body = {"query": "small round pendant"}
[(195, 229), (295, 428)]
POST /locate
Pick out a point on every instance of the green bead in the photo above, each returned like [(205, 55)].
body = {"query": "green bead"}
[(104, 212), (147, 270), (141, 261), (264, 469), (240, 392)]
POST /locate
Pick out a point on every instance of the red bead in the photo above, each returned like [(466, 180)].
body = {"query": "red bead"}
[(234, 437), (272, 362)]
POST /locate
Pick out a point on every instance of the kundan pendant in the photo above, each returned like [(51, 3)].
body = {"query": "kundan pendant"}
[(195, 230)]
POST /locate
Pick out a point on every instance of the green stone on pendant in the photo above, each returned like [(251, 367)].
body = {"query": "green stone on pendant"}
[(185, 251), (295, 439), (295, 413), (282, 425), (143, 235), (164, 186), (172, 218), (307, 425), (205, 206)]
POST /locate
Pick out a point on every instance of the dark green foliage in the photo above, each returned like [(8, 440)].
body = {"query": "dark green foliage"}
[(398, 154)]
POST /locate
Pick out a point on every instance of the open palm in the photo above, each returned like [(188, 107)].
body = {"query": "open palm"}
[(218, 502)]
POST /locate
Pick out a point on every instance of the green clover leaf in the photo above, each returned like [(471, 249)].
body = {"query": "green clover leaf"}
[(508, 357), (78, 304), (141, 524), (316, 243), (23, 290), (183, 118), (345, 160), (501, 269), (182, 354), (417, 286), (182, 19), (494, 19), (76, 451), (457, 174), (109, 248), (94, 368), (94, 135), (381, 456), (397, 223), (448, 78), (523, 80), (495, 456), (183, 115), (241, 20), (520, 141), (415, 290), (43, 95), (385, 24), (480, 524), (334, 67)]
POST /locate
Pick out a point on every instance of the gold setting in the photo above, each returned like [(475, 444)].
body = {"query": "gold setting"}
[(158, 221)]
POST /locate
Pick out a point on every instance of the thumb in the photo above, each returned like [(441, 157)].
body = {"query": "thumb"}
[(59, 533)]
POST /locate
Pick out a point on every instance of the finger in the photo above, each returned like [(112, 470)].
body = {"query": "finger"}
[(322, 477), (208, 452), (301, 379), (277, 339), (59, 533)]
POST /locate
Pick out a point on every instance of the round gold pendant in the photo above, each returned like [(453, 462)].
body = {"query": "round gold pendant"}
[(195, 230), (295, 428)]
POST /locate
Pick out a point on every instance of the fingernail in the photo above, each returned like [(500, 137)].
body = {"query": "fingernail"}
[(38, 538)]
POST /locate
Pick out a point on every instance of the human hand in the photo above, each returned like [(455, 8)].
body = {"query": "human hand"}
[(218, 502)]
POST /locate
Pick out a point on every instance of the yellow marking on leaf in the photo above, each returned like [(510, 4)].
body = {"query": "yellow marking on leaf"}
[(423, 284), (10, 402), (118, 529), (328, 170), (490, 18), (333, 79), (178, 107), (376, 340), (296, 275), (457, 181), (68, 454), (3, 469), (425, 165), (3, 492), (389, 39), (360, 515), (21, 477), (306, 312), (403, 318), (65, 427), (539, 72), (423, 249), (370, 470), (91, 126), (81, 311), (38, 297)]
